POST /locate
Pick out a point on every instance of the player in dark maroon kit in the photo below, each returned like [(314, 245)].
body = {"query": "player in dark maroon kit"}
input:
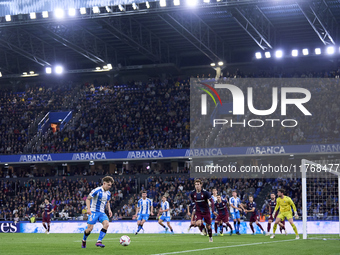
[(251, 207), (47, 215), (272, 205), (222, 214), (201, 199)]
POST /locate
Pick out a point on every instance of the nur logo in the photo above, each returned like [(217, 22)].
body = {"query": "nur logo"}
[(239, 101), (204, 98)]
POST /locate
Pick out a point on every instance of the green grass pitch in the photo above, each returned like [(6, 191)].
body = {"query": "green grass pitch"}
[(141, 244)]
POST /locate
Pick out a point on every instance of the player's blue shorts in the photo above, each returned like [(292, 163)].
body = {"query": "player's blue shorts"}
[(165, 218), (143, 217), (236, 215), (97, 216), (213, 216)]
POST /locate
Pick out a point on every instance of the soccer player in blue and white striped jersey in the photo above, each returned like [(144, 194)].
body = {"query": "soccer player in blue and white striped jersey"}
[(165, 211), (96, 202), (143, 209)]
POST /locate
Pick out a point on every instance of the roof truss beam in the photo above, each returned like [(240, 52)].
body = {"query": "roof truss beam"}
[(256, 25), (26, 45), (79, 40), (138, 37), (197, 32), (320, 19)]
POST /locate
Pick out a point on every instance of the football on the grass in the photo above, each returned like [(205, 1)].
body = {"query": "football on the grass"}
[(125, 240)]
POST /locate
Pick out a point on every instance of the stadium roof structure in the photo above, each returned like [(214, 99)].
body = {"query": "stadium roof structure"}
[(133, 35)]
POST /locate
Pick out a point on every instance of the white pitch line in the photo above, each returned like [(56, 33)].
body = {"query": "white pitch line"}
[(230, 246)]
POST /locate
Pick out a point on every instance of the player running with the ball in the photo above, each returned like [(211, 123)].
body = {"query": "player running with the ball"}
[(96, 202)]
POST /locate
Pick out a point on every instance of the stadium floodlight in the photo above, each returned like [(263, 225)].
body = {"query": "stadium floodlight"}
[(267, 54), (72, 12), (213, 64), (59, 69), (162, 3), (330, 50), (295, 53), (121, 8), (0, 74), (108, 9), (258, 55), (278, 54), (97, 68), (96, 9), (206, 1), (8, 18), (192, 2), (24, 73), (177, 2), (109, 66), (33, 15), (31, 72), (317, 51), (48, 70), (135, 6), (105, 67), (305, 52), (45, 14), (220, 63), (82, 10), (147, 4), (59, 13)]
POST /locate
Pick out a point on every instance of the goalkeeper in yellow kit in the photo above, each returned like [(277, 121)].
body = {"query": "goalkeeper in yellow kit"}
[(285, 204)]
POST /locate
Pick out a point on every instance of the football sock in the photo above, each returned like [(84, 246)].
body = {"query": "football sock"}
[(139, 228), (258, 224), (48, 227), (86, 235), (101, 234), (295, 229), (274, 228), (210, 232), (44, 226), (215, 227), (228, 224), (268, 227), (201, 227), (238, 226), (251, 227), (235, 226)]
